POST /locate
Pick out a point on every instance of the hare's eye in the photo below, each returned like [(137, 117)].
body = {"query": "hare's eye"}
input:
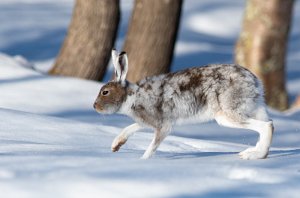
[(104, 93)]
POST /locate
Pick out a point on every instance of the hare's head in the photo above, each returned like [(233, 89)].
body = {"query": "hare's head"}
[(113, 94)]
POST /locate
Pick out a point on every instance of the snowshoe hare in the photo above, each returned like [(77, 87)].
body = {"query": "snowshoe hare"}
[(228, 93)]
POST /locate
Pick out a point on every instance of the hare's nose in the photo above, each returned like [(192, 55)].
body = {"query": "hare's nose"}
[(95, 104)]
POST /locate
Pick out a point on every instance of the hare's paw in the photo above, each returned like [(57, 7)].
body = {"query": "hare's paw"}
[(253, 153), (117, 143)]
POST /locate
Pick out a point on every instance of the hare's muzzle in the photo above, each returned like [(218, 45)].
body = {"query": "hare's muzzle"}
[(97, 106)]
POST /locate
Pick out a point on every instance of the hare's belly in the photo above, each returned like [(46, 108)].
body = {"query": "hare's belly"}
[(201, 116)]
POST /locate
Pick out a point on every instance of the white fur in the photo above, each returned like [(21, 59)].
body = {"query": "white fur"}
[(115, 60), (264, 128), (120, 62), (124, 135), (230, 94)]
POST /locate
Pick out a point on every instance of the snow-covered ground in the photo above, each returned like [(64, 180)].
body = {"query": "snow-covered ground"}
[(53, 144)]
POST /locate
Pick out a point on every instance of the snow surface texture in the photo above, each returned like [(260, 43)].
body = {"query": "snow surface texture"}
[(53, 144)]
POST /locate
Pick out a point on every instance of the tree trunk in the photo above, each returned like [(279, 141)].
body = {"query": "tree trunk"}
[(86, 50), (151, 37), (262, 46)]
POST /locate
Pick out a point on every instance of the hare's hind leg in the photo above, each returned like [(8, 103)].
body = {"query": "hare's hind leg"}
[(264, 128), (261, 150)]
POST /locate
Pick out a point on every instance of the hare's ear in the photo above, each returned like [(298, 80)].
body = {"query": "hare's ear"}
[(123, 62), (115, 61)]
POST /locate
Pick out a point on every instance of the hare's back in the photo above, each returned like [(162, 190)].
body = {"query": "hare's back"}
[(211, 77), (199, 91), (213, 88)]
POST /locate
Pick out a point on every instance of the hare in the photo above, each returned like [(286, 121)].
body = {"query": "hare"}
[(228, 93)]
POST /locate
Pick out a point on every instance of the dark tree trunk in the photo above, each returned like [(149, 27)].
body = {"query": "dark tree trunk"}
[(262, 46), (151, 37), (86, 50)]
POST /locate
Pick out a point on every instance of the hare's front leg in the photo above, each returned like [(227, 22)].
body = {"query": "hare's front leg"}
[(159, 136), (124, 135)]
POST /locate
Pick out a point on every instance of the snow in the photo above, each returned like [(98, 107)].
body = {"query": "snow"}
[(43, 156), (53, 143)]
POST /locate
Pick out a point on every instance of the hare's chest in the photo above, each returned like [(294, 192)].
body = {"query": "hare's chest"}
[(145, 115)]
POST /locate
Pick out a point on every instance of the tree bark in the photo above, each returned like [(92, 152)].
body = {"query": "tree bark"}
[(87, 47), (151, 37), (262, 46)]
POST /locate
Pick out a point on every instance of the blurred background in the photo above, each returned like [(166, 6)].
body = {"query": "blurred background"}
[(75, 38)]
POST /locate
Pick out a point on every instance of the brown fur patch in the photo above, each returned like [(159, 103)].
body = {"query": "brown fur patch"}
[(217, 96), (146, 86), (145, 116), (160, 100), (116, 148), (231, 81), (130, 92), (201, 99), (194, 81)]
